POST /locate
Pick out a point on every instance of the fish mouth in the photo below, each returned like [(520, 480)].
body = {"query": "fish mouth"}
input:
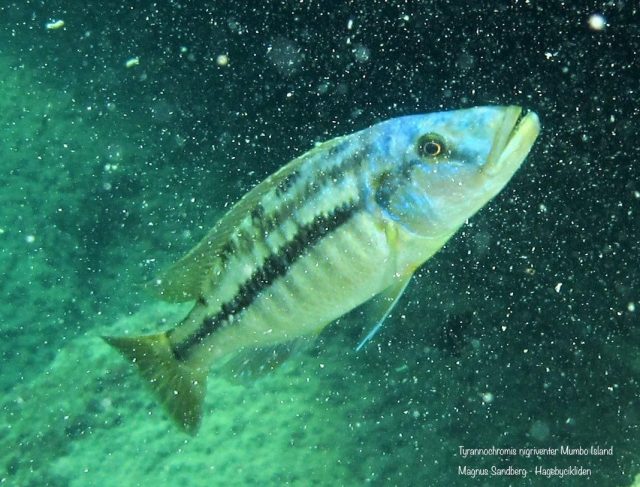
[(513, 140)]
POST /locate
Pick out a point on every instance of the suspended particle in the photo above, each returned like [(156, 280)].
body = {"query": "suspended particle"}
[(222, 60), (487, 397), (134, 61), (540, 430), (54, 24), (597, 22), (361, 53)]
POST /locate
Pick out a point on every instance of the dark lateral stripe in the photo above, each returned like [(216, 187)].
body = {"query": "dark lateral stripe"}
[(274, 267), (301, 185)]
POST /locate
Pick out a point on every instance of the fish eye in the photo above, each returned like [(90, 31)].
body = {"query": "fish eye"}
[(430, 146)]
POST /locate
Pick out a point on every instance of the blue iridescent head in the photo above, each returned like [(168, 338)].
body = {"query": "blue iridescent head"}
[(437, 170)]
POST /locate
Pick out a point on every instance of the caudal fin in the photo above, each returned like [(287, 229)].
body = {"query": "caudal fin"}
[(179, 388)]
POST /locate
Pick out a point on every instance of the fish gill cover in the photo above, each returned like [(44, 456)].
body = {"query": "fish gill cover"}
[(128, 130)]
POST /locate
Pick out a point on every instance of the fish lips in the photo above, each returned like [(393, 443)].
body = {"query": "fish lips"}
[(512, 142)]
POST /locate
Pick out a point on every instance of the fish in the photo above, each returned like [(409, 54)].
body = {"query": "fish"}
[(346, 224)]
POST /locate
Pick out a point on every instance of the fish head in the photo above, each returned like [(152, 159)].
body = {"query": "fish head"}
[(443, 167)]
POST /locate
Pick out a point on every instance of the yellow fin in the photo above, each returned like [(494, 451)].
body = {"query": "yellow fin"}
[(179, 388), (183, 281)]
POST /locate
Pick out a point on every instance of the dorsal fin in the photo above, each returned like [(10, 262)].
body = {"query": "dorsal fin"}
[(183, 281)]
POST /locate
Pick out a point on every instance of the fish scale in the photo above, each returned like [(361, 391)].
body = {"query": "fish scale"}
[(291, 209), (249, 260), (347, 223), (355, 273)]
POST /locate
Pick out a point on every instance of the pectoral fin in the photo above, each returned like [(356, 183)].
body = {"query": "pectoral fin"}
[(379, 307)]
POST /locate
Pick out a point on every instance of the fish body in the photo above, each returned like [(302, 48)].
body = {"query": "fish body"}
[(348, 221)]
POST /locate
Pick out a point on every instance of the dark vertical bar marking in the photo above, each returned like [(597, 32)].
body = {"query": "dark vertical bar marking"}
[(274, 267)]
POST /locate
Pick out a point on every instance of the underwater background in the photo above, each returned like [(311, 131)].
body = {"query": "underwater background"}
[(127, 132)]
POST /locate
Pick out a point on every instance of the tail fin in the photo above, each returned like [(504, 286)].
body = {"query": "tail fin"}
[(179, 388)]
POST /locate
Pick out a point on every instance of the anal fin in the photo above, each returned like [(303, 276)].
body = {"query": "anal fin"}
[(255, 362)]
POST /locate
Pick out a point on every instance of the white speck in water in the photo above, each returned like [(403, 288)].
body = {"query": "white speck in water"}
[(323, 87), (631, 307), (539, 430), (487, 397), (134, 61), (361, 53), (597, 22), (222, 60), (54, 24), (30, 238), (558, 286), (106, 403)]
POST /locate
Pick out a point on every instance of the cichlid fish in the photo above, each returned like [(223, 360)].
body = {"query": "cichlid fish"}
[(350, 220)]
